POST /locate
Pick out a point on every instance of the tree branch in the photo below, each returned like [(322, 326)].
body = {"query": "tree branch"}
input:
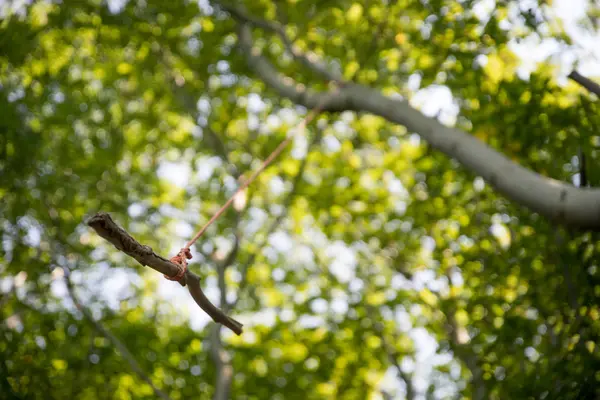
[(103, 224), (393, 356), (222, 361), (235, 250), (285, 87), (556, 200), (587, 83), (220, 356), (467, 356), (222, 268), (310, 62), (121, 348)]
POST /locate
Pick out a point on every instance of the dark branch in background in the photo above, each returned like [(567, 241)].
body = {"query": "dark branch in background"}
[(103, 224), (291, 90), (219, 355), (236, 247), (222, 360), (121, 348), (587, 83), (583, 176), (308, 61), (583, 180), (467, 356), (393, 356), (229, 260)]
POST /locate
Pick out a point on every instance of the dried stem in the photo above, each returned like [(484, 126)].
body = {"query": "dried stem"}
[(104, 225), (121, 348), (587, 83)]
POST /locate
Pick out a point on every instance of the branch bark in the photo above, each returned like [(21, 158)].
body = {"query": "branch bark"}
[(467, 356), (310, 62), (393, 356), (222, 360), (221, 357), (104, 225), (121, 348), (587, 83), (556, 200)]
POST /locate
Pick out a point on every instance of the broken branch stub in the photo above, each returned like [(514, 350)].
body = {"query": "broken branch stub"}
[(104, 225)]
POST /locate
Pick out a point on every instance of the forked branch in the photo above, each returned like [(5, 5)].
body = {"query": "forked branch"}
[(585, 82), (104, 225)]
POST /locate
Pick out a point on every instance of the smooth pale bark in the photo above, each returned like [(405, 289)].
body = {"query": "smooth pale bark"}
[(556, 200)]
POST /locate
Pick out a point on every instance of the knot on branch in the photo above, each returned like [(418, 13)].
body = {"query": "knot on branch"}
[(181, 260)]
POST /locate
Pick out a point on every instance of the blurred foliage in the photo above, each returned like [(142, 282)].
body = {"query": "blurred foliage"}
[(350, 256)]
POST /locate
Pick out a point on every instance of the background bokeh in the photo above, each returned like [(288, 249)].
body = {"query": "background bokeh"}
[(363, 264)]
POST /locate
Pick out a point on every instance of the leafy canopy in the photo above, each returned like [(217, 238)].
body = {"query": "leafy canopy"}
[(365, 263)]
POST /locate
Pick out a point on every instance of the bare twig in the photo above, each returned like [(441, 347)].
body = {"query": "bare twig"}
[(393, 356), (121, 348), (103, 224), (587, 83)]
